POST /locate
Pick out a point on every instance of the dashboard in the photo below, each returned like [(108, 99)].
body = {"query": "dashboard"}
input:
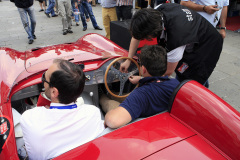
[(97, 76)]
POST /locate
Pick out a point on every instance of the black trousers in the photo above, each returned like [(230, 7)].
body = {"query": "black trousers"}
[(124, 12)]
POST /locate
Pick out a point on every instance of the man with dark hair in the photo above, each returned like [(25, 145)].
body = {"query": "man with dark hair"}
[(49, 131), (25, 9), (192, 43), (152, 95)]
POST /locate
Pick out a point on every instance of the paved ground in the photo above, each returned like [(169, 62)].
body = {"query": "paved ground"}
[(225, 80)]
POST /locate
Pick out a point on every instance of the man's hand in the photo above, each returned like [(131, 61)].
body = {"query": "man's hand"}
[(201, 8), (134, 79), (124, 66), (223, 33), (211, 9)]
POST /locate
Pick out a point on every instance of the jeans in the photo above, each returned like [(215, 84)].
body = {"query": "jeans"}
[(88, 7), (23, 14), (50, 8), (77, 16), (73, 6), (86, 13)]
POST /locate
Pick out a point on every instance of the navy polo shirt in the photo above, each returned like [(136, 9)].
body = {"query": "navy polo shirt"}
[(151, 97)]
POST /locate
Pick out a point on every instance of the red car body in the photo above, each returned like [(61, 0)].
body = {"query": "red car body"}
[(197, 125)]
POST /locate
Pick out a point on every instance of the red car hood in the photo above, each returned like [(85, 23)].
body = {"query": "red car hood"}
[(91, 49)]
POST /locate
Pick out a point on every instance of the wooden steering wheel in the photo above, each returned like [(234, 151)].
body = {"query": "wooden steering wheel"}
[(112, 74)]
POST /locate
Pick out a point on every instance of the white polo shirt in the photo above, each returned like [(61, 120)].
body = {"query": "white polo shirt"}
[(50, 132), (211, 17)]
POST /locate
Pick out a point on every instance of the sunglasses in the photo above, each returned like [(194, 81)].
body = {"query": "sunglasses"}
[(44, 79)]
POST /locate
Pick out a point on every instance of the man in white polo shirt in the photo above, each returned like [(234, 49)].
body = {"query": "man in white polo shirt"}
[(212, 10), (49, 131)]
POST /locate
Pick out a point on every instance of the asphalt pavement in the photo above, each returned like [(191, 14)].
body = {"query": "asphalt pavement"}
[(225, 80)]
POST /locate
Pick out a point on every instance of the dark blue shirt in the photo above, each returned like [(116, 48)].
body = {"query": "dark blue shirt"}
[(151, 97)]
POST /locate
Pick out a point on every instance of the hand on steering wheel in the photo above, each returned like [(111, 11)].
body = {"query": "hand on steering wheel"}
[(124, 66), (113, 74)]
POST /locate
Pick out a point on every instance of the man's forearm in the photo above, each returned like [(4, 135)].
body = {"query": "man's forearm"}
[(170, 68), (200, 8), (193, 6), (223, 17), (133, 47)]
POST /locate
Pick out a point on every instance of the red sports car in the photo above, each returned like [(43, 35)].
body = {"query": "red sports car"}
[(197, 125)]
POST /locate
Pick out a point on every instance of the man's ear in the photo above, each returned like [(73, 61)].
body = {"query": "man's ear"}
[(144, 70), (54, 93)]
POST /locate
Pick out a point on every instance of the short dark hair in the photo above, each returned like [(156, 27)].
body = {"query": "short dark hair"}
[(154, 59), (69, 80), (146, 24)]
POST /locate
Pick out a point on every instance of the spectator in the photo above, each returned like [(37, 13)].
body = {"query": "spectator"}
[(76, 16), (25, 9), (193, 44), (74, 10), (212, 10), (152, 95), (51, 131), (42, 5), (124, 9), (65, 11), (108, 14), (81, 4), (50, 9)]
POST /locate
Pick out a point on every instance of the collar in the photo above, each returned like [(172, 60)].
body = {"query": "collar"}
[(62, 106), (146, 80)]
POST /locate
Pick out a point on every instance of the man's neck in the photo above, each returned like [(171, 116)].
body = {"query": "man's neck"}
[(54, 100)]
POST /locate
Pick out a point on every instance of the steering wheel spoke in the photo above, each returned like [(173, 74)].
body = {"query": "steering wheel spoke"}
[(123, 79), (114, 69), (113, 74), (121, 88), (133, 72)]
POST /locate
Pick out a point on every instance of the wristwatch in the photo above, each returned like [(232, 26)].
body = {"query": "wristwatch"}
[(223, 28)]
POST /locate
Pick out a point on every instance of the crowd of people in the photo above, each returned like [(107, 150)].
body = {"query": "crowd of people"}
[(188, 44), (70, 10), (112, 10)]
